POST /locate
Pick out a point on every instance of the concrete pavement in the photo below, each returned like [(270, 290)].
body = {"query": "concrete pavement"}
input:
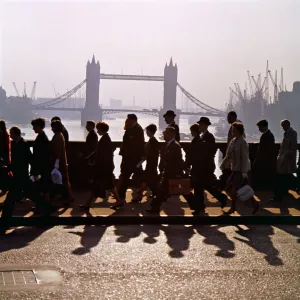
[(159, 262)]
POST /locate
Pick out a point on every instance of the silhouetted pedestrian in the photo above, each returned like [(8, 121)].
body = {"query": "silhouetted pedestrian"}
[(41, 158), (59, 156), (201, 157), (150, 174), (132, 152), (65, 132), (173, 167), (237, 155), (103, 176), (286, 161), (264, 166)]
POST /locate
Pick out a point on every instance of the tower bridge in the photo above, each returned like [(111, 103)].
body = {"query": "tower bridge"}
[(92, 109)]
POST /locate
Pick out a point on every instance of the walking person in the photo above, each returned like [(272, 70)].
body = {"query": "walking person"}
[(103, 176), (286, 161), (150, 174), (65, 132), (21, 186), (41, 158), (132, 152), (173, 167), (231, 119), (201, 157), (237, 155), (90, 146), (4, 143), (264, 166), (59, 156)]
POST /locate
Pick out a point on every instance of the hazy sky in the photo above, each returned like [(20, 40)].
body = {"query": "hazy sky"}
[(213, 42)]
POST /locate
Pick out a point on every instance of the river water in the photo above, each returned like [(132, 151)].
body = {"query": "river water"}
[(78, 133)]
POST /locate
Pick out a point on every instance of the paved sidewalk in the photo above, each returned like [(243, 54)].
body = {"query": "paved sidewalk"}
[(175, 206)]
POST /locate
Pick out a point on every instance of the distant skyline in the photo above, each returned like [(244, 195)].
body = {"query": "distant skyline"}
[(214, 43)]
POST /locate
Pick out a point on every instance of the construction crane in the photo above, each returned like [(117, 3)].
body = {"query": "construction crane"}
[(18, 94), (32, 96), (24, 93), (250, 85), (275, 85)]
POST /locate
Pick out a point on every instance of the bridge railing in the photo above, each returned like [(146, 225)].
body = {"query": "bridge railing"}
[(77, 169)]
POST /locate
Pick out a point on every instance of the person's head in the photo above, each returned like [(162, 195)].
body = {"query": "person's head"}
[(15, 133), (195, 130), (2, 126), (238, 129), (169, 116), (231, 117), (204, 122), (90, 125), (38, 125), (169, 134), (285, 124), (102, 128), (56, 118), (263, 126), (56, 126), (151, 130), (130, 121)]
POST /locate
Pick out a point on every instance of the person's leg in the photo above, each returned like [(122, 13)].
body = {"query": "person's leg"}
[(199, 195), (126, 172), (162, 194)]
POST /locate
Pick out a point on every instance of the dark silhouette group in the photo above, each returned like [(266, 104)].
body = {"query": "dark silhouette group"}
[(48, 176)]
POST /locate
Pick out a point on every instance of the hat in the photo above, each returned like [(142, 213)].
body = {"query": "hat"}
[(204, 120), (262, 123), (169, 113)]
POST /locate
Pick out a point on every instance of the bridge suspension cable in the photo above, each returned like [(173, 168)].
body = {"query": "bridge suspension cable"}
[(198, 102), (63, 97)]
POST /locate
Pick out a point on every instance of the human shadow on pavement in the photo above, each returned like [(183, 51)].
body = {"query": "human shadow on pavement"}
[(213, 236), (259, 238), (20, 237), (89, 238)]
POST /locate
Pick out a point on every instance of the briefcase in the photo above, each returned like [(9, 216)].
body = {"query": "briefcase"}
[(179, 186)]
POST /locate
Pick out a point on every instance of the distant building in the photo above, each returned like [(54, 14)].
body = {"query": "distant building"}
[(115, 103), (2, 95), (289, 105)]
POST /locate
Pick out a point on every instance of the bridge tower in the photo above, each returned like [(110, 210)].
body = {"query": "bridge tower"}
[(170, 91), (92, 109)]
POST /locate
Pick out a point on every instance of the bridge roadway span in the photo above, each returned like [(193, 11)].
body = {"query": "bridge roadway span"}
[(107, 111)]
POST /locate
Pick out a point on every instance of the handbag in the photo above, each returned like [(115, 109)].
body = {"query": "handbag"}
[(179, 186), (245, 193)]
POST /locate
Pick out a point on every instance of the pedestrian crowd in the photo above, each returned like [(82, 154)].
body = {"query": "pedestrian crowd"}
[(42, 174)]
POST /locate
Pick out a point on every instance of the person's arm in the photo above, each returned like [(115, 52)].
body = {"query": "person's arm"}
[(244, 158), (293, 147), (226, 159)]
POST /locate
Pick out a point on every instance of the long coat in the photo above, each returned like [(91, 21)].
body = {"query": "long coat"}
[(201, 156), (172, 163), (132, 148), (5, 147), (41, 159), (21, 158), (90, 143), (286, 160), (104, 157), (265, 161), (58, 151)]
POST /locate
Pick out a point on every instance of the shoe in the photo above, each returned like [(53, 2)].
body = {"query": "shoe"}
[(198, 212), (117, 205), (223, 201), (152, 211), (230, 211)]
